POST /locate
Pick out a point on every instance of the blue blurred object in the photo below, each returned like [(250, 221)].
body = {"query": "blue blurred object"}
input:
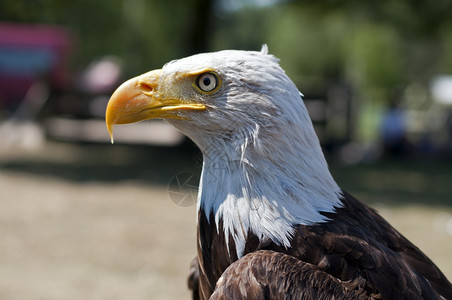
[(30, 53)]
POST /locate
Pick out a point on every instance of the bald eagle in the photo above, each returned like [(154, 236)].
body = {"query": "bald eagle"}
[(272, 222)]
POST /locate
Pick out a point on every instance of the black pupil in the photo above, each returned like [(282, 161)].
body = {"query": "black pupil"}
[(206, 81)]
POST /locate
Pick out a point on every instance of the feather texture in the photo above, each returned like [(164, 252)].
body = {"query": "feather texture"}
[(355, 255)]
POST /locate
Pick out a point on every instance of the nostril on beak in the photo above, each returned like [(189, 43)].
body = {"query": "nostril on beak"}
[(145, 87)]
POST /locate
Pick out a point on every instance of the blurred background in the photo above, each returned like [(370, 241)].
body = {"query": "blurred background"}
[(80, 218)]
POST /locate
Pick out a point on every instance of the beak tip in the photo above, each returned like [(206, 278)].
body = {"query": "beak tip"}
[(110, 132)]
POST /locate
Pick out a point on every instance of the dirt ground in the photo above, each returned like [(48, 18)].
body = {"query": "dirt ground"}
[(82, 222), (63, 240)]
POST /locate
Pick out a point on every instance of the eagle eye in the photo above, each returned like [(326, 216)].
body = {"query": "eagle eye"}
[(207, 82)]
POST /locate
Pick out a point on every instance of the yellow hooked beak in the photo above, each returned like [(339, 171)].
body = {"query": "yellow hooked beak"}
[(140, 99)]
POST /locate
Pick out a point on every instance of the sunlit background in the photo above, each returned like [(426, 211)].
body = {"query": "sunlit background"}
[(80, 218)]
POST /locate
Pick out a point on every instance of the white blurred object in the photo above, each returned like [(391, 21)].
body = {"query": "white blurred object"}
[(102, 75), (21, 135), (441, 89), (154, 132), (442, 222), (21, 131)]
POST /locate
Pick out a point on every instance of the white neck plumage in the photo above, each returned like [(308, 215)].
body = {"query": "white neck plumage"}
[(265, 186)]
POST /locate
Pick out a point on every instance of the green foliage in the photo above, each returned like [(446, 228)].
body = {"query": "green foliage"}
[(145, 34), (310, 44), (379, 57), (372, 45), (245, 29)]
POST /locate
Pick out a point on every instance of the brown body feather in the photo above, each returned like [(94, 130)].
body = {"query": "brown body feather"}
[(355, 255)]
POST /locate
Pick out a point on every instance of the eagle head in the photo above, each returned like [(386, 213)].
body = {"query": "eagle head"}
[(226, 95)]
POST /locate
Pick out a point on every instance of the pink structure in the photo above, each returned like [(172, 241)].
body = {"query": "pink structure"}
[(29, 53)]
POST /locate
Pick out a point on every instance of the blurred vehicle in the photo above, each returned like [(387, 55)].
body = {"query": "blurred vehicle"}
[(28, 54)]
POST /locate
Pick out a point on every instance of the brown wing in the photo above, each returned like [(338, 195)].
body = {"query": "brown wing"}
[(193, 278), (359, 245), (268, 274), (355, 252)]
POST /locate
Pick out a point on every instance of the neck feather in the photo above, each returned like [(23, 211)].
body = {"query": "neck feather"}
[(266, 187)]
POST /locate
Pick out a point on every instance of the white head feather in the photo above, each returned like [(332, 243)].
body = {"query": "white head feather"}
[(263, 169)]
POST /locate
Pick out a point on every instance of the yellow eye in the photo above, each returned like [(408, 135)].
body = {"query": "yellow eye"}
[(207, 82)]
